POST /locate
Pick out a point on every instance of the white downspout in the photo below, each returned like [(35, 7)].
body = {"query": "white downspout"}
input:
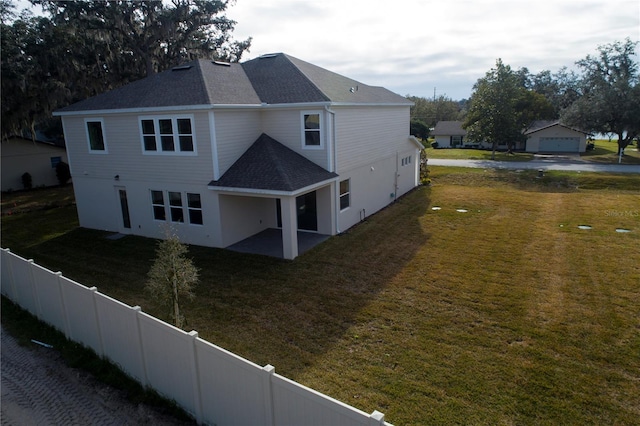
[(334, 165)]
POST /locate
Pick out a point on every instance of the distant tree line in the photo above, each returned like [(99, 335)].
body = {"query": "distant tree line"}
[(83, 48), (603, 97)]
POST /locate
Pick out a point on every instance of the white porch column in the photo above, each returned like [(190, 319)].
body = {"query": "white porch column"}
[(289, 227)]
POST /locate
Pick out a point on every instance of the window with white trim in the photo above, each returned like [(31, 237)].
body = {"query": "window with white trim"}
[(167, 134), (157, 202), (194, 205), (175, 207), (345, 194), (173, 202), (311, 129), (406, 161), (95, 135)]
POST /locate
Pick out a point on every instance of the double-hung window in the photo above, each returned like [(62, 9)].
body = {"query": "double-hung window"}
[(345, 194), (173, 202), (95, 135), (167, 135), (311, 129)]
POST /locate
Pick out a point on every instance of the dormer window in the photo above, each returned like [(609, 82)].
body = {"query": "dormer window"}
[(312, 135)]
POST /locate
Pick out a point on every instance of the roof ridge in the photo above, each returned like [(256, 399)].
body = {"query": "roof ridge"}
[(313, 83)]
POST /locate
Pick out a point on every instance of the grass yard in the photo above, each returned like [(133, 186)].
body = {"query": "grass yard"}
[(604, 153), (506, 314)]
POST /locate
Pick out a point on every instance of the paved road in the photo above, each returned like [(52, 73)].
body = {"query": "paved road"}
[(38, 389), (550, 163)]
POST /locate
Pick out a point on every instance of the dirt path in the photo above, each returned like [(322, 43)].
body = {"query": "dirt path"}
[(37, 388)]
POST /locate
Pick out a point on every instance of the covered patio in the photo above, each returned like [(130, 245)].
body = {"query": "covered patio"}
[(269, 243)]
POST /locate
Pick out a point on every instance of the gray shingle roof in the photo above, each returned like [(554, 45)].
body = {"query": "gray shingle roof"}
[(538, 125), (269, 165), (271, 79), (449, 128)]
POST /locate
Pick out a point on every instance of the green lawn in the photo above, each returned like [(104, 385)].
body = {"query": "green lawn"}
[(506, 314), (604, 152)]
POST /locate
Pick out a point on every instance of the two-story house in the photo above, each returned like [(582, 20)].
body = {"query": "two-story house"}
[(226, 151)]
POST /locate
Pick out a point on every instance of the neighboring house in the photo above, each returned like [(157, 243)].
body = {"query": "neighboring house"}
[(39, 159), (553, 136), (226, 151), (449, 134)]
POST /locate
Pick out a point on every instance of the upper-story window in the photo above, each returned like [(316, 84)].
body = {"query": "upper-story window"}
[(167, 135), (312, 130), (95, 135)]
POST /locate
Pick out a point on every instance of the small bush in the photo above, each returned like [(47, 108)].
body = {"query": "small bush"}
[(63, 173), (27, 180), (434, 144)]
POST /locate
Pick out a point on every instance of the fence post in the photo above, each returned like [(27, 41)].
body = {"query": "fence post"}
[(34, 290), (94, 290), (143, 362), (376, 419), (267, 374), (65, 314), (195, 374)]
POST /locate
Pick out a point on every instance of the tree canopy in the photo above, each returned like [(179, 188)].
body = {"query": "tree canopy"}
[(83, 48), (610, 94), (502, 106)]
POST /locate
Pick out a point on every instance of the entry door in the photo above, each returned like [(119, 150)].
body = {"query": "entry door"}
[(124, 207)]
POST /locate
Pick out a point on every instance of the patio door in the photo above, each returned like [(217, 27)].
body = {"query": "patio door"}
[(307, 211)]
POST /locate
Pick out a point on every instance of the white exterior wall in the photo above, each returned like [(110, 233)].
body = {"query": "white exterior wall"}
[(443, 141), (371, 143), (235, 132), (244, 216), (533, 140), (20, 156)]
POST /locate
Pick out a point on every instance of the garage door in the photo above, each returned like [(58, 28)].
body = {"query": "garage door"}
[(559, 145)]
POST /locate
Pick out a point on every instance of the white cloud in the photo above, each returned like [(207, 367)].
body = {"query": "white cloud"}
[(412, 46)]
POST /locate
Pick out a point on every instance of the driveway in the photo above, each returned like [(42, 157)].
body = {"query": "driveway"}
[(566, 163), (38, 389)]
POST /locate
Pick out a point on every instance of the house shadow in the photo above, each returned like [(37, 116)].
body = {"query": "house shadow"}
[(288, 313)]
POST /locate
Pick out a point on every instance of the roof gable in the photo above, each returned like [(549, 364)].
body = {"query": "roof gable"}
[(539, 125), (449, 128), (269, 165)]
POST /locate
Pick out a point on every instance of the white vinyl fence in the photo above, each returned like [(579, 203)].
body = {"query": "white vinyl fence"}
[(212, 384)]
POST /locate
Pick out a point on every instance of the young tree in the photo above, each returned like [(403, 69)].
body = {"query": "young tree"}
[(610, 101), (172, 276)]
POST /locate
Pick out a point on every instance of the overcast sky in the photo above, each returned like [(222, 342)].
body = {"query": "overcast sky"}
[(414, 46)]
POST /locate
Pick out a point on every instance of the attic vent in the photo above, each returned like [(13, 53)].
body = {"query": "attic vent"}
[(268, 55), (221, 63), (181, 68)]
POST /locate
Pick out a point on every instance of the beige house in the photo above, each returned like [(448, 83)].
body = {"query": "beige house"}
[(227, 152), (39, 159), (553, 136)]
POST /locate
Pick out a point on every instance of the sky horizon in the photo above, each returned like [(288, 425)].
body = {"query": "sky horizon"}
[(421, 48), (416, 47)]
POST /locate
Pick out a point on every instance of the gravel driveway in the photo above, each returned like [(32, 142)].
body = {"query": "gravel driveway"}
[(38, 389)]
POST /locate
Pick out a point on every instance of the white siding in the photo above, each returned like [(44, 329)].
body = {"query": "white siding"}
[(245, 216), (365, 134), (443, 141), (236, 131), (285, 126)]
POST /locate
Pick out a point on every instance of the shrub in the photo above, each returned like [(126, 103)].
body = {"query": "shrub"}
[(434, 144), (27, 180), (63, 173)]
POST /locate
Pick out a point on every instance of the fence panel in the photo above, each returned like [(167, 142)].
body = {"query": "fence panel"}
[(295, 404), (169, 360), (23, 284), (81, 314), (231, 387), (6, 279), (50, 303), (121, 335)]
